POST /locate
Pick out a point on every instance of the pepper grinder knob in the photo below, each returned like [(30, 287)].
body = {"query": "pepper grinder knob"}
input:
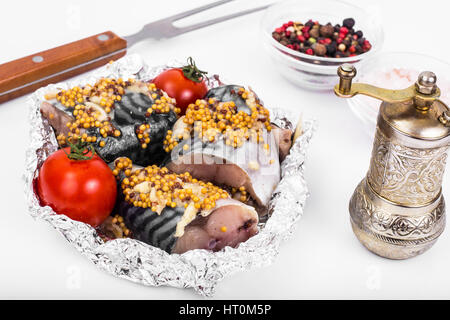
[(426, 82), (346, 73)]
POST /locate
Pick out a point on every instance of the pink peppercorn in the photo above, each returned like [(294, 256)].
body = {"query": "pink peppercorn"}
[(343, 30), (366, 45)]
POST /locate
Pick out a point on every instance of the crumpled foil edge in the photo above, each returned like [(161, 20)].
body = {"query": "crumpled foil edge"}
[(141, 263)]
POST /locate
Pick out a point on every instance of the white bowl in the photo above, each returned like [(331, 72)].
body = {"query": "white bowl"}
[(395, 70)]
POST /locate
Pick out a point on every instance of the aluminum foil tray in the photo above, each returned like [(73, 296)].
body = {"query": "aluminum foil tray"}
[(141, 263)]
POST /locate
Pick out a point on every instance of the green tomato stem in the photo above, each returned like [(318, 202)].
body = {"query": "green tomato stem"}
[(191, 71), (79, 151)]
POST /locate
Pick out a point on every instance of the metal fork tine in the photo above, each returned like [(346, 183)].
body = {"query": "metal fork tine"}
[(196, 10), (219, 19), (164, 28)]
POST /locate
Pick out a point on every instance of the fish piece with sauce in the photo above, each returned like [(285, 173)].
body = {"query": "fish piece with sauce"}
[(178, 213), (120, 118), (228, 139)]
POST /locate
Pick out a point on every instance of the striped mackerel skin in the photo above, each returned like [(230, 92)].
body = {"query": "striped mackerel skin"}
[(129, 114), (151, 228)]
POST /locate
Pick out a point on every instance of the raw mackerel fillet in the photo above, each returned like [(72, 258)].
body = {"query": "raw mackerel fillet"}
[(249, 166), (126, 116), (239, 219), (254, 166), (178, 213)]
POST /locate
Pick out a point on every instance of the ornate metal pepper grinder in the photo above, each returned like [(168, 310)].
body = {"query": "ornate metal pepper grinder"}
[(398, 211)]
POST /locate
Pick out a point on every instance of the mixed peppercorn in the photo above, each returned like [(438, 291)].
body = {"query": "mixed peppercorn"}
[(323, 40)]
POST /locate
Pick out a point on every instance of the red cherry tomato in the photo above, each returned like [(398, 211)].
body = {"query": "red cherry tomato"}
[(181, 87), (83, 190)]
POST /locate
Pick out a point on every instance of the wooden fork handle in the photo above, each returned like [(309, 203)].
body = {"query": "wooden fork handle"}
[(27, 74)]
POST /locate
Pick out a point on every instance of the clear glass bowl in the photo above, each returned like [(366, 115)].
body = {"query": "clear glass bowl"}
[(395, 70), (308, 71)]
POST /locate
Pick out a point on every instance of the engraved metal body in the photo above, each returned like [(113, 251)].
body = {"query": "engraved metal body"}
[(398, 211)]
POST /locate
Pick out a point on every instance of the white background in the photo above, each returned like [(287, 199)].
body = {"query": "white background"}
[(322, 260)]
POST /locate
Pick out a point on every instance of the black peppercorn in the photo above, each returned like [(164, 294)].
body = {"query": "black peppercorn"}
[(331, 49), (348, 23)]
